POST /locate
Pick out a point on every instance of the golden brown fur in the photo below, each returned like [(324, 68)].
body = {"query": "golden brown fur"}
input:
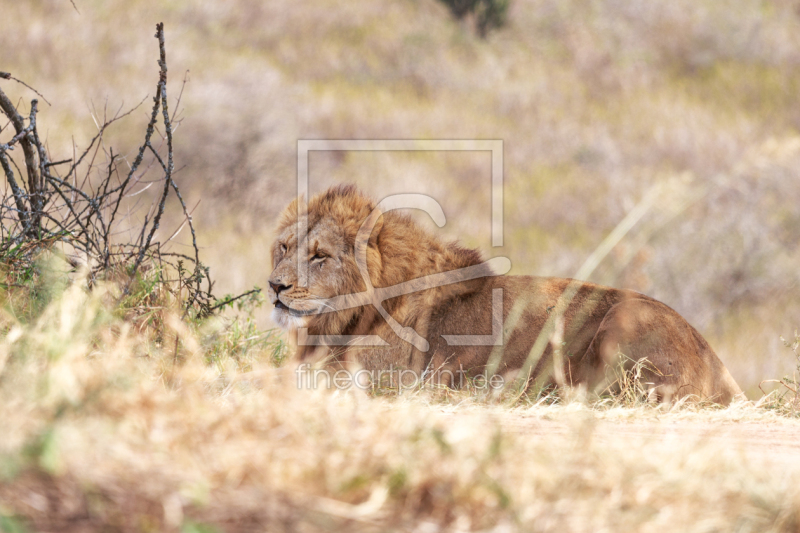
[(599, 323)]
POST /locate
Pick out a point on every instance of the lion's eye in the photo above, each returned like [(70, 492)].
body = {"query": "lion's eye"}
[(318, 256), (283, 248)]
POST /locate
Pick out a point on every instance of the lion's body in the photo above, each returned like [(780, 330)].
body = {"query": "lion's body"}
[(592, 328), (599, 324)]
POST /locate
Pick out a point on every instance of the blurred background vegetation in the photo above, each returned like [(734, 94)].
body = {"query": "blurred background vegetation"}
[(596, 102)]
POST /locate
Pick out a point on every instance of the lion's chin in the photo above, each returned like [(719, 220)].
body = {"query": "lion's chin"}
[(289, 322)]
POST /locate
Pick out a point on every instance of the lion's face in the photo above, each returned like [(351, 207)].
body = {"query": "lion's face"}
[(332, 271)]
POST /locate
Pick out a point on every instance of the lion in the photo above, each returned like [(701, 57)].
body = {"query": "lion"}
[(379, 292)]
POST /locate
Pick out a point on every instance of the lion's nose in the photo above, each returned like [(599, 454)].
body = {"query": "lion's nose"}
[(277, 287)]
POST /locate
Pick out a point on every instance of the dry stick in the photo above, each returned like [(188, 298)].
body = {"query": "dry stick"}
[(46, 149), (19, 194), (2, 217), (162, 92), (230, 301), (37, 180), (183, 224), (74, 241), (36, 188), (27, 223), (58, 163), (194, 242), (92, 202), (84, 230), (18, 172), (14, 140), (34, 179), (135, 166), (8, 76), (44, 161), (168, 168), (91, 166), (187, 214), (21, 235), (180, 95), (147, 217), (171, 164), (27, 147), (99, 134), (69, 173), (72, 202), (111, 169)]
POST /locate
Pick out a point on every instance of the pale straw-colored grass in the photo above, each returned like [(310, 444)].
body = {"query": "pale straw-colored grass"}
[(96, 436)]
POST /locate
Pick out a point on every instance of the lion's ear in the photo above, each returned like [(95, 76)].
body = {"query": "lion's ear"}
[(376, 232)]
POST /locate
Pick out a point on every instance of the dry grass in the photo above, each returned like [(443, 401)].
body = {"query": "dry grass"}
[(105, 429)]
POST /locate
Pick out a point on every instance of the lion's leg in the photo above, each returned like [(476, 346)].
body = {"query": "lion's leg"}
[(674, 360)]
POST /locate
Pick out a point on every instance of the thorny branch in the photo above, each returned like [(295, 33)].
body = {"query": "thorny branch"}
[(81, 213)]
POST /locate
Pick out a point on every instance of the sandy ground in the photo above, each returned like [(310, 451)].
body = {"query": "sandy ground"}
[(768, 442), (771, 442)]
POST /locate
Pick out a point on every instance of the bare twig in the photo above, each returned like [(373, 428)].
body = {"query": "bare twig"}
[(162, 96), (231, 300), (19, 194), (27, 148), (31, 88)]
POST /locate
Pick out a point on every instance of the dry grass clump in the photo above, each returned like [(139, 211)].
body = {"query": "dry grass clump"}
[(785, 397), (99, 433)]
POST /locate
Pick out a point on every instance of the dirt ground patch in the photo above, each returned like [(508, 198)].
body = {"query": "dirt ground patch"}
[(770, 442)]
